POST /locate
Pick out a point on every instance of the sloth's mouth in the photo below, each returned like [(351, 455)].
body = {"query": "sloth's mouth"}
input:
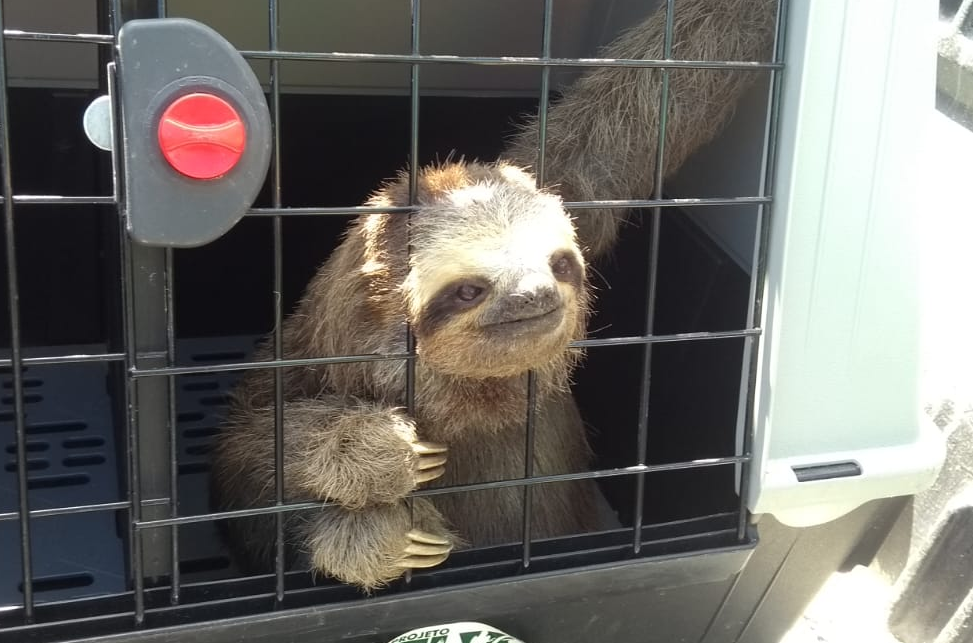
[(542, 321)]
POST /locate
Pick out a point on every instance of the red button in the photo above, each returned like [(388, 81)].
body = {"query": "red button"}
[(202, 136)]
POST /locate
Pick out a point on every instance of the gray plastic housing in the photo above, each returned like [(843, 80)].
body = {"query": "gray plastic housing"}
[(161, 60)]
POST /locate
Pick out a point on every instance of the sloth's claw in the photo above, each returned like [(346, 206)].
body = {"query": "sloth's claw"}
[(424, 550), (422, 562), (418, 549), (425, 475), (431, 461), (427, 538), (429, 448)]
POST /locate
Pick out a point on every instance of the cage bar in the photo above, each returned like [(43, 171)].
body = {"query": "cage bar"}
[(16, 362), (653, 261), (507, 61), (278, 249), (348, 359), (96, 38), (345, 359), (529, 467), (410, 341), (66, 359), (80, 509), (56, 199), (49, 199), (169, 275), (531, 376), (474, 486), (748, 376), (415, 17), (130, 394), (169, 268), (569, 205)]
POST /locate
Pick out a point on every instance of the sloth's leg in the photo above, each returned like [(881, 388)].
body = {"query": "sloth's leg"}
[(375, 545), (350, 452)]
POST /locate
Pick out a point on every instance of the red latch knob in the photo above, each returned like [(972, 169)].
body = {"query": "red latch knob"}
[(202, 136)]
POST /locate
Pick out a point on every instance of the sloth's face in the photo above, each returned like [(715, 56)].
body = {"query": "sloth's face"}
[(497, 282)]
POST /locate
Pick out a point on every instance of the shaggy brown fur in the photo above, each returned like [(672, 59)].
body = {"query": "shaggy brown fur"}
[(494, 286), (602, 135), (347, 438)]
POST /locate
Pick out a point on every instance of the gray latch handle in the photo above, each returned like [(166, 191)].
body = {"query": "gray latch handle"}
[(196, 132)]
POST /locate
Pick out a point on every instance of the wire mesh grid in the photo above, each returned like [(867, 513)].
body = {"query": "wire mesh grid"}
[(140, 605)]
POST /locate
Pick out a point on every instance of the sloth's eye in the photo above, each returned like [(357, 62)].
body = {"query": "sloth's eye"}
[(468, 292), (562, 265)]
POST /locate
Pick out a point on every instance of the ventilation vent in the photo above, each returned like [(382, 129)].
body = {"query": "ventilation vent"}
[(32, 465), (201, 402), (27, 383), (71, 461), (29, 398), (60, 582)]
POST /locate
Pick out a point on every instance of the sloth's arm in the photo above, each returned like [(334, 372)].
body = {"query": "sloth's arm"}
[(342, 450), (602, 135)]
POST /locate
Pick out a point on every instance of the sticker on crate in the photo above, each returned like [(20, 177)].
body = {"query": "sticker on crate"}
[(456, 633)]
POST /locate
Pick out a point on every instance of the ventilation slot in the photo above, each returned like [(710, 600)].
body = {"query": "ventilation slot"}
[(84, 460), (83, 443), (199, 449), (32, 465), (63, 581), (30, 447), (201, 432), (52, 482), (215, 400), (27, 383), (190, 416), (31, 398), (190, 468), (55, 427)]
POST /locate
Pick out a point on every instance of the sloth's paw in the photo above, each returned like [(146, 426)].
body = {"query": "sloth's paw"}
[(374, 546)]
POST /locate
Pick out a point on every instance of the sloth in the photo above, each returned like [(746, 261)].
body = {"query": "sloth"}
[(489, 272)]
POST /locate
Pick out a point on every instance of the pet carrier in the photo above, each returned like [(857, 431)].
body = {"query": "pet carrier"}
[(750, 370)]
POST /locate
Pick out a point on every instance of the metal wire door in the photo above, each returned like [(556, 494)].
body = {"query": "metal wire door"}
[(142, 351)]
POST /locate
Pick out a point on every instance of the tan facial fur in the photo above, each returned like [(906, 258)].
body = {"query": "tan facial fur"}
[(499, 235)]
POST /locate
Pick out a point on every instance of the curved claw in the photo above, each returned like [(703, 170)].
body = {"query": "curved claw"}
[(425, 475), (429, 448), (431, 461), (425, 550), (425, 537), (422, 562), (419, 549)]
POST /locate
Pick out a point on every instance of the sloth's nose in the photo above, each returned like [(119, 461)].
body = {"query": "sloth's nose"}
[(536, 291), (533, 295)]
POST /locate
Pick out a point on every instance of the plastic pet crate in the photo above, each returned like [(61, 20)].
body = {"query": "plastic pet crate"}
[(779, 431)]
